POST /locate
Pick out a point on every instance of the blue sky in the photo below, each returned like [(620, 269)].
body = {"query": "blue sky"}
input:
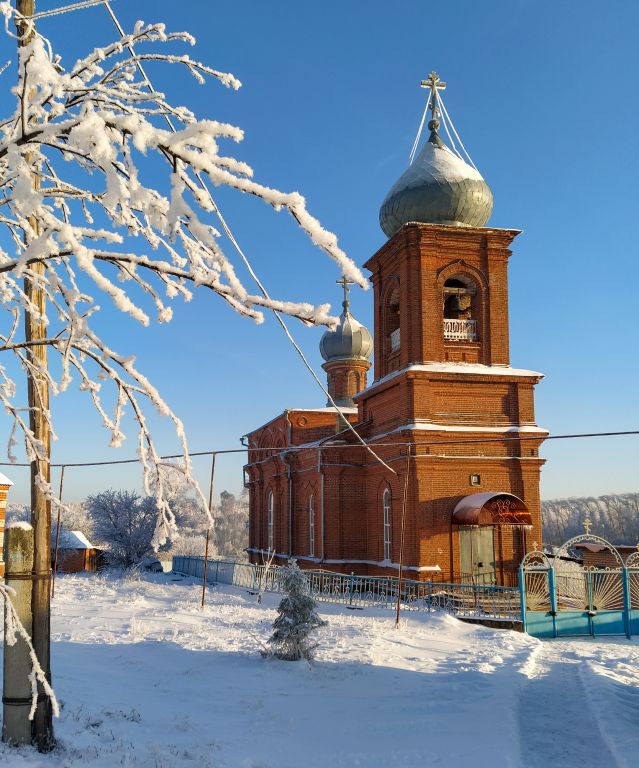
[(545, 99)]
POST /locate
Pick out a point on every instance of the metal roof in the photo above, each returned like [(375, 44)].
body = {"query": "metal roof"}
[(491, 509), (438, 188)]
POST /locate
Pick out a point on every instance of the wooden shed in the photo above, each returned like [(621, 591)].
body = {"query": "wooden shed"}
[(596, 555), (76, 554)]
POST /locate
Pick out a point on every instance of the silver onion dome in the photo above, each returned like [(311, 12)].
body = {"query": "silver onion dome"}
[(350, 340), (439, 187)]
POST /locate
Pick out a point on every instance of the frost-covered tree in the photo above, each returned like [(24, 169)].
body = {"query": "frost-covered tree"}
[(297, 617), (231, 524), (613, 516), (82, 227), (124, 523), (81, 221)]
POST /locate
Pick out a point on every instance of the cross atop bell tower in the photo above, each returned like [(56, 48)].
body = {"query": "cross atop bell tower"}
[(435, 84)]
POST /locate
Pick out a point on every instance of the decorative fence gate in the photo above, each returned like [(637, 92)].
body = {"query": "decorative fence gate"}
[(563, 599)]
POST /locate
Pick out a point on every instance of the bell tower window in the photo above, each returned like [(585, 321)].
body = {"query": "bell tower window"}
[(460, 311), (392, 338)]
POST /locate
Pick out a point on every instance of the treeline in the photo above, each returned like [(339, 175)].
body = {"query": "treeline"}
[(615, 517), (123, 523)]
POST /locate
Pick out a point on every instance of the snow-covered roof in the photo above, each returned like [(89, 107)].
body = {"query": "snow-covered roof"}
[(74, 540), (327, 409), (475, 369), (4, 480)]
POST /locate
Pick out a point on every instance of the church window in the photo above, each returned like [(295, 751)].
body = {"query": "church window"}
[(311, 526), (460, 322), (269, 520), (387, 524), (391, 321)]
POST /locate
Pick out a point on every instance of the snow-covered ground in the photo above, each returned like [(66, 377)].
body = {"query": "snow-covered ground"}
[(146, 678)]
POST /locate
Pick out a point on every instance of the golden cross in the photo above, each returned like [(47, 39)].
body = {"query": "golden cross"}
[(535, 545), (587, 526), (434, 83)]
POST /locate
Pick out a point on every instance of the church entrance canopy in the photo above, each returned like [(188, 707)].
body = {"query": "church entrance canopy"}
[(491, 509)]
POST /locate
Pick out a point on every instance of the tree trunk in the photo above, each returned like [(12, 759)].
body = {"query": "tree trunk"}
[(35, 329)]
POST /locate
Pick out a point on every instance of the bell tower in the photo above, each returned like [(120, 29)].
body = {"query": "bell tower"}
[(444, 390)]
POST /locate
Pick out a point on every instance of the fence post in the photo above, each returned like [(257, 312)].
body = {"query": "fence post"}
[(553, 599), (351, 588), (522, 597), (428, 597), (627, 615), (16, 726)]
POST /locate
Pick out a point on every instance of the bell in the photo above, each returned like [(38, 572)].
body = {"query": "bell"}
[(457, 303)]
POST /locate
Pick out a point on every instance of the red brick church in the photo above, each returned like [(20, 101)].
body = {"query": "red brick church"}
[(453, 423)]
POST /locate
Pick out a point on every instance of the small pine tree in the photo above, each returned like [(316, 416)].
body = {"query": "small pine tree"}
[(297, 617)]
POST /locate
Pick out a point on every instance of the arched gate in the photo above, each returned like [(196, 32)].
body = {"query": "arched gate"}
[(563, 599)]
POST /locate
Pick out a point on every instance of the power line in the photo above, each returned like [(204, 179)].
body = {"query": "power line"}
[(342, 446)]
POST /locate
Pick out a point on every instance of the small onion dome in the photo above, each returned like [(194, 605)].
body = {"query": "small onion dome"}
[(349, 341), (438, 188)]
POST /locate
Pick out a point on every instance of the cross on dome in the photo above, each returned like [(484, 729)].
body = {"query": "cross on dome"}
[(439, 186), (345, 286), (587, 525), (435, 83)]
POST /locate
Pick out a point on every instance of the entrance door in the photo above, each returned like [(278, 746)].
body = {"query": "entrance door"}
[(477, 555)]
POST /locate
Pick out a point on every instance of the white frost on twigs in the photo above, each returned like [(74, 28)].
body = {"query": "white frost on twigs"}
[(99, 224)]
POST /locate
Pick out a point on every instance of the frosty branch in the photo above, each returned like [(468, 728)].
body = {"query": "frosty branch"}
[(90, 224)]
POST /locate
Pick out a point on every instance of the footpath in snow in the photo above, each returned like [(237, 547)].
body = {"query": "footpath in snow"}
[(146, 678)]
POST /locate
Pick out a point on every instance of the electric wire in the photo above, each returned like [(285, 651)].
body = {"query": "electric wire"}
[(411, 157), (452, 125), (63, 9), (247, 264), (278, 449)]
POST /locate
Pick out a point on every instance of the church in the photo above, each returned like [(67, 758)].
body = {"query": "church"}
[(432, 467)]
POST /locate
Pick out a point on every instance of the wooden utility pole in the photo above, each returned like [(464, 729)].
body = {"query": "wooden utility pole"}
[(35, 330)]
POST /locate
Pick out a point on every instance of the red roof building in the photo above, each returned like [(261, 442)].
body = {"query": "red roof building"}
[(455, 496)]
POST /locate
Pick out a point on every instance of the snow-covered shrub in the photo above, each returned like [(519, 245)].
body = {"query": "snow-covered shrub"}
[(124, 523), (297, 617)]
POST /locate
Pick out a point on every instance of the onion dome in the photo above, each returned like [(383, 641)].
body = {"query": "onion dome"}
[(438, 187), (350, 340)]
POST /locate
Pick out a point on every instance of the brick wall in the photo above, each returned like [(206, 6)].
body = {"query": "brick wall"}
[(421, 410)]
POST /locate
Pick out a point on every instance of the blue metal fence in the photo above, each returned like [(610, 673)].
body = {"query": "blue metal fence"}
[(560, 598), (464, 600)]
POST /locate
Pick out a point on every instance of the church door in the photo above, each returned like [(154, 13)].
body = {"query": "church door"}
[(477, 555)]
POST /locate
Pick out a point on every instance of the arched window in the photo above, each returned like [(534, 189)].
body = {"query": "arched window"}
[(311, 526), (391, 321), (460, 311), (386, 502), (269, 520)]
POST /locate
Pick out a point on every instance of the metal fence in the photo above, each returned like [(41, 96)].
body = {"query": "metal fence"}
[(464, 600)]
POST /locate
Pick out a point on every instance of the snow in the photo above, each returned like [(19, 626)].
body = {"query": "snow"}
[(147, 679), (476, 369), (334, 561), (4, 480), (73, 540), (19, 524)]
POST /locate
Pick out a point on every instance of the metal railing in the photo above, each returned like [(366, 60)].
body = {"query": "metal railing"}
[(460, 330), (464, 600)]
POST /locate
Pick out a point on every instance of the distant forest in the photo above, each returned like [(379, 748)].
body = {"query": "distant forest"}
[(614, 517)]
